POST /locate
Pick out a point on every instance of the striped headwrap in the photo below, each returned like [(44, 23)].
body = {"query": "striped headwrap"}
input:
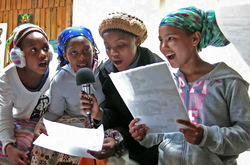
[(193, 19), (71, 32), (20, 32)]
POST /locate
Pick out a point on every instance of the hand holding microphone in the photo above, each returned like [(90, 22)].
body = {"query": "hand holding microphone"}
[(88, 101)]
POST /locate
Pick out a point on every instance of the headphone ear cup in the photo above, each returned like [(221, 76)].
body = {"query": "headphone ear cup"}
[(17, 57), (51, 50)]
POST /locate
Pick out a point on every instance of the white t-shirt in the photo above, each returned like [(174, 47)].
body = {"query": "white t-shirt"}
[(19, 102)]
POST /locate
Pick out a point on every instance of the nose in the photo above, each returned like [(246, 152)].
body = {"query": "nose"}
[(44, 54), (81, 56), (164, 44), (113, 53)]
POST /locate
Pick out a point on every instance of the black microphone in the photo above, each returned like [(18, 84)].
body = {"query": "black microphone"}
[(85, 77)]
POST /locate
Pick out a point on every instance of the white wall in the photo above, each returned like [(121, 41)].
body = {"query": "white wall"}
[(90, 13)]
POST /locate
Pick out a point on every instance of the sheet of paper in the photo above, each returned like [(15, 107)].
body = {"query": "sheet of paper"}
[(151, 94), (70, 139)]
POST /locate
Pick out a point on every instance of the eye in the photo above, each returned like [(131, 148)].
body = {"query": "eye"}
[(46, 48), (33, 50), (74, 53), (121, 45), (86, 50), (170, 38), (107, 48)]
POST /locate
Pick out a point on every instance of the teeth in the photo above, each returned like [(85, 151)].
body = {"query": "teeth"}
[(170, 54)]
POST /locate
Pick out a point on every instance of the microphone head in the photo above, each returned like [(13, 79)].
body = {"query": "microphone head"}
[(84, 76)]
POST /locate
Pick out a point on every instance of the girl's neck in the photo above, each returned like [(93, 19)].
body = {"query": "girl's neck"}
[(196, 70), (29, 79)]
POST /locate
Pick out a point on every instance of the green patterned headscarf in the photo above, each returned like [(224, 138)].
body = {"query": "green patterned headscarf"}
[(193, 19)]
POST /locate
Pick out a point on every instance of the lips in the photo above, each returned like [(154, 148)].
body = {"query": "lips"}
[(82, 65), (170, 56), (43, 64), (118, 62)]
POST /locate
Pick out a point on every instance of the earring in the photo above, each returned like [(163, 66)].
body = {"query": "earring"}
[(17, 57)]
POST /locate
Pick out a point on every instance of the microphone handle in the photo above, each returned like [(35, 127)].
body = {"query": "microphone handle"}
[(89, 119), (86, 88)]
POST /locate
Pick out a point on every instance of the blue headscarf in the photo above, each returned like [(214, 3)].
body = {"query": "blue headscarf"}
[(71, 32)]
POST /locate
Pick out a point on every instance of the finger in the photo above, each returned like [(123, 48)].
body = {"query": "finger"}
[(108, 144), (85, 100), (140, 134), (85, 122), (86, 108), (87, 97), (143, 130), (44, 131), (95, 154), (186, 123), (80, 94), (24, 158), (187, 132), (137, 128), (22, 163), (92, 97), (133, 122), (139, 137)]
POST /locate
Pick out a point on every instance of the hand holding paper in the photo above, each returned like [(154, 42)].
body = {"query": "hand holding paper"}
[(71, 140), (150, 94)]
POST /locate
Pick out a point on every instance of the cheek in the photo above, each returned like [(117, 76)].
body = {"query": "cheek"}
[(89, 60), (108, 54), (161, 48)]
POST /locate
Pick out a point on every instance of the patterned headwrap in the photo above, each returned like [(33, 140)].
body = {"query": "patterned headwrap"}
[(193, 19), (20, 32), (71, 32)]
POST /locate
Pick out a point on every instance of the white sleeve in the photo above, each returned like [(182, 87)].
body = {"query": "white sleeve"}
[(152, 139), (6, 118)]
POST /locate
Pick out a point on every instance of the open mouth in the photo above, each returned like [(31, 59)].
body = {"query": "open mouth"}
[(43, 64), (82, 65), (118, 62), (170, 56)]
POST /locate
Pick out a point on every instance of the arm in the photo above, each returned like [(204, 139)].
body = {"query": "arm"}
[(55, 110), (8, 140), (6, 118), (57, 104), (233, 139)]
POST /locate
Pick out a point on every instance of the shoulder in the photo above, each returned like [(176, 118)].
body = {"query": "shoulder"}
[(106, 67), (148, 56), (223, 71), (61, 76), (8, 73), (7, 70)]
